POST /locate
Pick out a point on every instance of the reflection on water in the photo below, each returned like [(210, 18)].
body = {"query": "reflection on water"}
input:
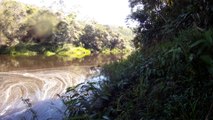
[(9, 63), (38, 79)]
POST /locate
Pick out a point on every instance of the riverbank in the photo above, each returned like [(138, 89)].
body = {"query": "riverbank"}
[(170, 80), (66, 51), (47, 49)]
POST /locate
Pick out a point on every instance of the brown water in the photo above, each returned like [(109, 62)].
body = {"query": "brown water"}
[(9, 63), (41, 78)]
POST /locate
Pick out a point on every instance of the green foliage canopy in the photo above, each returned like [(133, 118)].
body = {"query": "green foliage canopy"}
[(161, 19)]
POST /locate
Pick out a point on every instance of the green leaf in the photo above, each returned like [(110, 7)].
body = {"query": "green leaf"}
[(196, 43), (71, 102)]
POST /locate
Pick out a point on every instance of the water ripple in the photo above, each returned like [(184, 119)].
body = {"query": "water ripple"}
[(36, 85)]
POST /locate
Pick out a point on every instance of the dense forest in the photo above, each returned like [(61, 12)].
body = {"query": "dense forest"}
[(170, 76), (29, 30)]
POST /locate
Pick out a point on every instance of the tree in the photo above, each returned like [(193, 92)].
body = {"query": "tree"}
[(160, 19), (99, 37), (11, 15)]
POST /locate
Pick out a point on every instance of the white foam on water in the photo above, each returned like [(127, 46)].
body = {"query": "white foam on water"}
[(40, 88)]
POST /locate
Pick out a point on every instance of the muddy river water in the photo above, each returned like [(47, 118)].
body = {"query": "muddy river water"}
[(30, 86)]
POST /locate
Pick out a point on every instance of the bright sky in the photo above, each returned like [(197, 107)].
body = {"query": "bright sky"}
[(111, 12)]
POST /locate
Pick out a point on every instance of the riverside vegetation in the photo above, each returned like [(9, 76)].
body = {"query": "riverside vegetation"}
[(171, 80), (170, 76)]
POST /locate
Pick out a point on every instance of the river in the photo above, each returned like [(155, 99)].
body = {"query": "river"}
[(30, 86)]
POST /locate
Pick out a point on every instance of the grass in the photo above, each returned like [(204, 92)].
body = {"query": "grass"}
[(75, 52), (23, 53), (49, 53)]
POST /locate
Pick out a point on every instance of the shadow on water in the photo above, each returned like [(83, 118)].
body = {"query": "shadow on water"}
[(53, 109), (30, 86)]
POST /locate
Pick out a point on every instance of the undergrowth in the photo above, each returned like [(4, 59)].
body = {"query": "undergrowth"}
[(173, 80)]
